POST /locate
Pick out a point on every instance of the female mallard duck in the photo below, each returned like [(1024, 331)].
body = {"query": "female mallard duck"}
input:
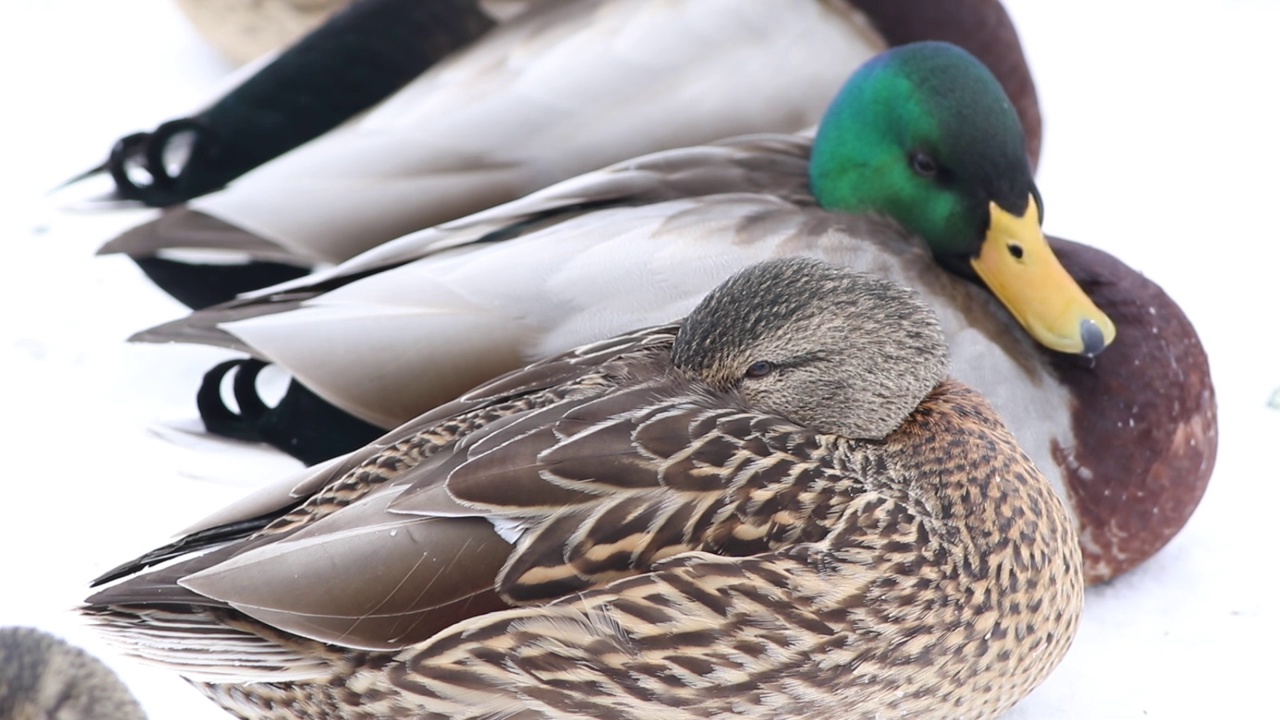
[(42, 676), (918, 174), (553, 90), (780, 507)]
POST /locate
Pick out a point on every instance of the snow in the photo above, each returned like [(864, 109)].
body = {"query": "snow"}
[(1159, 147)]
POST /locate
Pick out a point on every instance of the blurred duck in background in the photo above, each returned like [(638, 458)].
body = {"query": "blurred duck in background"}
[(397, 115)]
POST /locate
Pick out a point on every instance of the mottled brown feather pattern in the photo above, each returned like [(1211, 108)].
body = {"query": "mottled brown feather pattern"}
[(928, 585), (675, 551), (546, 384)]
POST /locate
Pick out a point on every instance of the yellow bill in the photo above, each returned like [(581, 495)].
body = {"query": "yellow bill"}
[(1021, 270)]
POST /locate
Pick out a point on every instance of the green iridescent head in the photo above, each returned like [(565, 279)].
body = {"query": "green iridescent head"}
[(925, 135)]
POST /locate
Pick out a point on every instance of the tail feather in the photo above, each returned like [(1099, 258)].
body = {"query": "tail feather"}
[(211, 645)]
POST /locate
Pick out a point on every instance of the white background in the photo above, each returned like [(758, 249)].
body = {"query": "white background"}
[(1160, 147)]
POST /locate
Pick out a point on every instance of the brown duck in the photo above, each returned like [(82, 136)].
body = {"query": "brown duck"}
[(778, 507)]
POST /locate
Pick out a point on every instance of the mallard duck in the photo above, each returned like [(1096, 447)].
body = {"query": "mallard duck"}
[(553, 90), (1128, 436), (779, 507), (44, 677)]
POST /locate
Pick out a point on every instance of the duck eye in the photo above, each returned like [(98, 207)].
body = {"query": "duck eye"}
[(1015, 250), (759, 369), (923, 164)]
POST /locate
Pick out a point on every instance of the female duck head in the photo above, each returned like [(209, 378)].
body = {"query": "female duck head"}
[(925, 135), (826, 347)]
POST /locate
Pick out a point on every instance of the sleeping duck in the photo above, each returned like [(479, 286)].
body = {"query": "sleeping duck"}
[(524, 94), (918, 173), (780, 506)]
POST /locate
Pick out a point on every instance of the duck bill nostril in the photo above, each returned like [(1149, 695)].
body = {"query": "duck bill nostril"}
[(1092, 338)]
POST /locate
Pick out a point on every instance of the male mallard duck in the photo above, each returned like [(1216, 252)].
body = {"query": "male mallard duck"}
[(1128, 437), (44, 677), (780, 507), (553, 90)]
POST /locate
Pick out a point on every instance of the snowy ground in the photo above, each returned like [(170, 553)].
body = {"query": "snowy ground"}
[(1160, 147)]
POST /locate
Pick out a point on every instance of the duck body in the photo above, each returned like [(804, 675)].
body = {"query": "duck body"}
[(550, 91), (771, 509)]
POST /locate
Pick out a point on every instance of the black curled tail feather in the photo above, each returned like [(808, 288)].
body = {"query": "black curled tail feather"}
[(302, 424)]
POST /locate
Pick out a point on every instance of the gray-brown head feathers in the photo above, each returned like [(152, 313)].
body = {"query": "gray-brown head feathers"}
[(42, 676), (829, 348)]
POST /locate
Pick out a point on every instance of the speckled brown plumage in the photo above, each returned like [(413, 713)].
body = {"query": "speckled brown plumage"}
[(677, 529), (42, 677)]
